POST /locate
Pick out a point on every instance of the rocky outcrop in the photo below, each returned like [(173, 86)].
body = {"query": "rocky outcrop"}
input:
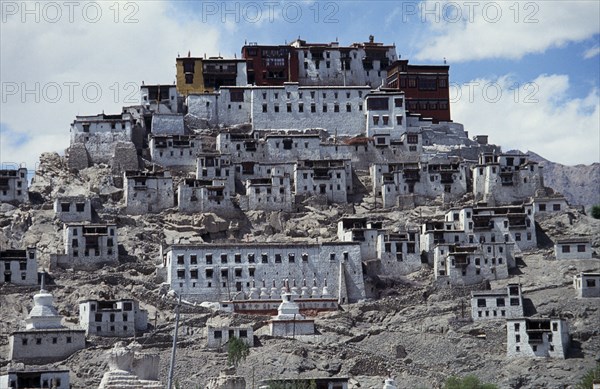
[(130, 370), (580, 184), (226, 380)]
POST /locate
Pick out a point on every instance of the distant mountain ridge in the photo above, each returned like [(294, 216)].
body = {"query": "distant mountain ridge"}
[(580, 184)]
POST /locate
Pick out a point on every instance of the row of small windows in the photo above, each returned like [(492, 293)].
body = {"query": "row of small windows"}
[(173, 154), (177, 143), (5, 193), (542, 207), (272, 200), (286, 146), (54, 382), (444, 177), (482, 239), (322, 188), (216, 173), (38, 341), (251, 258), (464, 271), (103, 126), (237, 258), (424, 83), (97, 253), (66, 207), (410, 247), (494, 313), (109, 242), (456, 216), (111, 328), (22, 265), (429, 105), (98, 317), (209, 273), (477, 261), (268, 191), (318, 53), (219, 334), (111, 232), (533, 346), (567, 248), (517, 328), (368, 66), (531, 168), (312, 95), (127, 306), (8, 275), (213, 162), (385, 120), (330, 175), (313, 108), (500, 302)]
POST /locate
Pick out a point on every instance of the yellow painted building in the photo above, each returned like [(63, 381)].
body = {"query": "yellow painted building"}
[(206, 75), (190, 78)]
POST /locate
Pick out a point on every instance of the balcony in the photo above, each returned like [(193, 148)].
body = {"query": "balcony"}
[(411, 176), (181, 144), (536, 336), (506, 178), (321, 174), (358, 236), (216, 70), (388, 179), (535, 330), (447, 178), (461, 261), (250, 146), (98, 230), (517, 223)]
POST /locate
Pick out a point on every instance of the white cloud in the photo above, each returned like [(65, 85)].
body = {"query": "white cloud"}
[(592, 52), (492, 29), (113, 57), (535, 116), (119, 56)]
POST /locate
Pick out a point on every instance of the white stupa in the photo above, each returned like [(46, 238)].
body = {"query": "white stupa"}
[(288, 309), (45, 339), (43, 315), (289, 321)]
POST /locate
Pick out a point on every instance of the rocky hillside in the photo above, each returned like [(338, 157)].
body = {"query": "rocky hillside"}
[(580, 184), (416, 332)]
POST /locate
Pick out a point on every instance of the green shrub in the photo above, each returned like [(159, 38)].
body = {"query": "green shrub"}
[(237, 351), (587, 382)]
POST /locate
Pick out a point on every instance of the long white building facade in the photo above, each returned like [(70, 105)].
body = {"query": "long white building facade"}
[(217, 272), (342, 110)]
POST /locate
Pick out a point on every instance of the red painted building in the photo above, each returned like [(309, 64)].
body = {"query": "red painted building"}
[(426, 88), (270, 65)]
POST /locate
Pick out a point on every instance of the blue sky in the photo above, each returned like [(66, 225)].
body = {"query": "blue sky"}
[(543, 58), (408, 28)]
